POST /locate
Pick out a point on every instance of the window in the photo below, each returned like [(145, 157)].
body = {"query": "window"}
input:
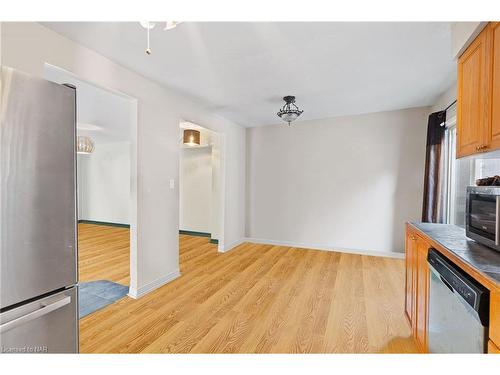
[(458, 174)]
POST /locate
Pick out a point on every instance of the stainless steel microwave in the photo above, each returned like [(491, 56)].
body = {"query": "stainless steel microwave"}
[(482, 215)]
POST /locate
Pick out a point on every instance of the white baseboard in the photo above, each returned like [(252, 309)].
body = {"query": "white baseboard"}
[(145, 289), (226, 248), (389, 254)]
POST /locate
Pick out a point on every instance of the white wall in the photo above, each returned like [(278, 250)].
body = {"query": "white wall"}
[(104, 183), (340, 183), (217, 219), (155, 256), (444, 100), (195, 189), (462, 34)]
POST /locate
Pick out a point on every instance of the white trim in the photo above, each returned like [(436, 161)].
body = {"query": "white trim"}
[(143, 290), (225, 248), (388, 254)]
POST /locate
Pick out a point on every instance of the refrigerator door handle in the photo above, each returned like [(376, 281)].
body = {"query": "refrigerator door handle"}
[(44, 310)]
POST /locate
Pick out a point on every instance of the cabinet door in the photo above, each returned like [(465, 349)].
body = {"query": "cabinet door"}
[(422, 294), (492, 348), (473, 96), (494, 130), (495, 317), (410, 275)]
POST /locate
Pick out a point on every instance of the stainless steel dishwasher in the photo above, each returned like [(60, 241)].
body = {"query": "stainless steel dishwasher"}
[(458, 309)]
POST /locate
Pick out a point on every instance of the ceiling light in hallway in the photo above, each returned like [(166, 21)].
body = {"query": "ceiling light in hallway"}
[(191, 137), (84, 145), (290, 112)]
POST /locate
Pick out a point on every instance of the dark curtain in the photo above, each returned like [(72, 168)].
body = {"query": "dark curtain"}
[(432, 210)]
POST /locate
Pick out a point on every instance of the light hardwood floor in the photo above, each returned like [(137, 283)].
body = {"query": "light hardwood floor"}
[(253, 299), (103, 253)]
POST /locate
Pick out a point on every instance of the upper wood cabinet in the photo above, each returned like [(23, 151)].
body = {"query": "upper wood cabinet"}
[(478, 96), (494, 131), (473, 96)]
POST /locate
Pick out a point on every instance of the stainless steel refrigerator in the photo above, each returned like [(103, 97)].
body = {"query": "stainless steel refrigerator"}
[(38, 252)]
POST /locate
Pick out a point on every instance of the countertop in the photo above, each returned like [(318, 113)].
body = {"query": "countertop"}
[(479, 257)]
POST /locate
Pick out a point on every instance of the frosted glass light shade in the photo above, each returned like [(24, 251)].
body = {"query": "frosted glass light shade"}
[(84, 145), (289, 117)]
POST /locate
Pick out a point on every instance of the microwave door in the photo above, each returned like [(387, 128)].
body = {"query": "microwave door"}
[(482, 215)]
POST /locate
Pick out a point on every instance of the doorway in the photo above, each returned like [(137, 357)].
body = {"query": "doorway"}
[(200, 189), (106, 123)]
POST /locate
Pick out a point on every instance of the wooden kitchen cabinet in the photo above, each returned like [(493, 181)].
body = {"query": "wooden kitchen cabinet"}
[(493, 134), (417, 245), (473, 96), (422, 294), (495, 317), (492, 348), (478, 96), (417, 286), (410, 279)]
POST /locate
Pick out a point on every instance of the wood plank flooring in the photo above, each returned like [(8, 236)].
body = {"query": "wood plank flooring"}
[(253, 299), (103, 253)]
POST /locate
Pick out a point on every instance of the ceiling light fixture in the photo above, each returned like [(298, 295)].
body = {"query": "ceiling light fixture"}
[(191, 137), (148, 26), (169, 25), (84, 145), (290, 112)]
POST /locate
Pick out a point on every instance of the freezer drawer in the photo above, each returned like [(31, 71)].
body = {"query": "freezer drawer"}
[(37, 187), (47, 325)]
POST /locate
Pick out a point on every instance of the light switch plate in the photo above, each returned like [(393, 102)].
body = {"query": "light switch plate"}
[(172, 183)]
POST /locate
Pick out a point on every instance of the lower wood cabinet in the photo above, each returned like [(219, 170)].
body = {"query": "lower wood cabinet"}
[(410, 287), (492, 348), (417, 287), (495, 317), (417, 291), (422, 294)]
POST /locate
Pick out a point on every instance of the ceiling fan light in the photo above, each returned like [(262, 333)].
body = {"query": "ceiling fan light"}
[(147, 24), (169, 25)]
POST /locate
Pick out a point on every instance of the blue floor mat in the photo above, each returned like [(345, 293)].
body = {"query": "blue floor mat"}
[(95, 295)]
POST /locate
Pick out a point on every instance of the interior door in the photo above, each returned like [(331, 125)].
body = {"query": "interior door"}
[(473, 96), (37, 187)]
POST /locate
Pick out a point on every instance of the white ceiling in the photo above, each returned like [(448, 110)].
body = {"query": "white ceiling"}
[(242, 70), (104, 116)]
